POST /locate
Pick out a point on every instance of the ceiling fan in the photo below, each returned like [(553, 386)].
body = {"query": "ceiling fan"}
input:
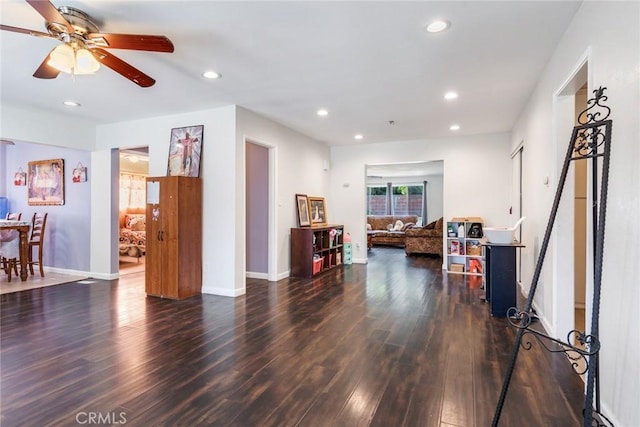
[(83, 46)]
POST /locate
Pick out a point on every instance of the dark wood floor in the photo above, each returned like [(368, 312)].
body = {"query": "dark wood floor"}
[(391, 343)]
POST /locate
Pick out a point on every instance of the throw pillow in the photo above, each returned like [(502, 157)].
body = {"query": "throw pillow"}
[(398, 226), (407, 226), (430, 226), (138, 225), (369, 227)]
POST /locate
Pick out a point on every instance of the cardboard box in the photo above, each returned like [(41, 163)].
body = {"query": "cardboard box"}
[(458, 268)]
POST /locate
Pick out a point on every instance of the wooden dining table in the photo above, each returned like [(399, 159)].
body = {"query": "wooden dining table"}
[(23, 230)]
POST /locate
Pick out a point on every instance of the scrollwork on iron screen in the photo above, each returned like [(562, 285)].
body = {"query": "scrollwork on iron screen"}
[(590, 136), (595, 109), (599, 420), (589, 344)]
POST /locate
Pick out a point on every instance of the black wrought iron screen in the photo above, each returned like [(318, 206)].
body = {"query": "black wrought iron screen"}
[(590, 139)]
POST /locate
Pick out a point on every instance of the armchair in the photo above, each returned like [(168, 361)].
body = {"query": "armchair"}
[(425, 240)]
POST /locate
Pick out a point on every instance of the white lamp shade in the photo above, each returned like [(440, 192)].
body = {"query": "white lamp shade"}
[(62, 58), (85, 62)]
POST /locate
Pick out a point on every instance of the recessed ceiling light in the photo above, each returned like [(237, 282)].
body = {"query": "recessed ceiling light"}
[(450, 95), (71, 104), (212, 75), (322, 112), (358, 136), (454, 127), (437, 26)]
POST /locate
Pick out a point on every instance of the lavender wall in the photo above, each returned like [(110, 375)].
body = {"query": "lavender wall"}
[(67, 233), (257, 206)]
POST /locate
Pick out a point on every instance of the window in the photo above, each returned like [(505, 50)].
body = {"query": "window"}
[(404, 200), (132, 191), (407, 199), (377, 200)]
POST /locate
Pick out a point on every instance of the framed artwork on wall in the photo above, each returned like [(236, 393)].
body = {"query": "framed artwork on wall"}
[(317, 210), (185, 150), (303, 210), (46, 183)]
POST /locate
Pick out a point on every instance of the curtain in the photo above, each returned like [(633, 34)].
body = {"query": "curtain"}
[(389, 200), (424, 203), (132, 191)]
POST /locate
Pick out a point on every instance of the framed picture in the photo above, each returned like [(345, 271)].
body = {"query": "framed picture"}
[(303, 210), (317, 210), (46, 183), (20, 178), (79, 173), (185, 150)]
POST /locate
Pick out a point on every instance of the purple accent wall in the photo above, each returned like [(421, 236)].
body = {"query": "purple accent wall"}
[(257, 205), (68, 228)]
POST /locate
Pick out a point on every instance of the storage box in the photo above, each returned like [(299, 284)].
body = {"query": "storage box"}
[(458, 268), (317, 265), (474, 248)]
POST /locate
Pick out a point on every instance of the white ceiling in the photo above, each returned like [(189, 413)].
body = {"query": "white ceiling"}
[(366, 62)]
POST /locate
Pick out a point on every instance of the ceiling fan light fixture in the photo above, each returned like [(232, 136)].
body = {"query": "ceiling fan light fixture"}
[(85, 62), (62, 58)]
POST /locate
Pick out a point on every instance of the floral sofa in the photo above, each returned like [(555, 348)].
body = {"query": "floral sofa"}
[(425, 240), (378, 228)]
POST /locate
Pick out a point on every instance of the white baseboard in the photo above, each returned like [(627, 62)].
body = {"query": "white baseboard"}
[(255, 275), (360, 260), (224, 292)]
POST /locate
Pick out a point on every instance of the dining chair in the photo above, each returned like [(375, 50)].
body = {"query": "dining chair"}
[(9, 247), (9, 252), (36, 240)]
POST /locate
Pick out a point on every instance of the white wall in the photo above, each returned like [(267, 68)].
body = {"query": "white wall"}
[(62, 130), (476, 178), (217, 172), (608, 33), (298, 170)]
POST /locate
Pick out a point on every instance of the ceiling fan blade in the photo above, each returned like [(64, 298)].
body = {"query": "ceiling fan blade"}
[(46, 71), (132, 42), (25, 31), (51, 14), (121, 67)]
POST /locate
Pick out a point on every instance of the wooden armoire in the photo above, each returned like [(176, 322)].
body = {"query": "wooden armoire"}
[(174, 237)]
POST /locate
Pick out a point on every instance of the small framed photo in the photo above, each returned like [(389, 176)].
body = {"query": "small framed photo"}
[(20, 178), (317, 210), (79, 173), (185, 150), (46, 183), (303, 210)]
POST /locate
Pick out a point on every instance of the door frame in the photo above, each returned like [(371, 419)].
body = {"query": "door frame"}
[(562, 271), (272, 234)]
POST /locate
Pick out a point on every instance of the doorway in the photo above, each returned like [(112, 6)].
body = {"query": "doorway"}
[(133, 171), (257, 211), (572, 251), (260, 211)]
